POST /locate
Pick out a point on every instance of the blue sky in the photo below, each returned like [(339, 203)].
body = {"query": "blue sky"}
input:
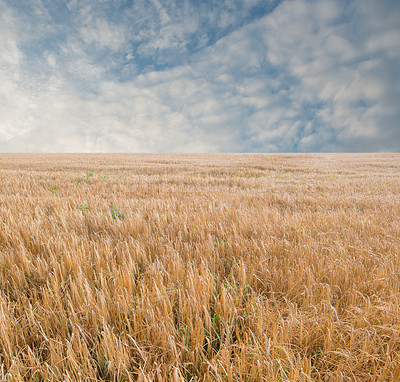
[(200, 76)]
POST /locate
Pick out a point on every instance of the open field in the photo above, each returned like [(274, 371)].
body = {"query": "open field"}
[(200, 267)]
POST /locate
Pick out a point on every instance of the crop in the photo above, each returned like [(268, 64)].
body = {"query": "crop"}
[(226, 268)]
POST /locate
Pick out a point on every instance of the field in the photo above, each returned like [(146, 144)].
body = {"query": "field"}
[(200, 267)]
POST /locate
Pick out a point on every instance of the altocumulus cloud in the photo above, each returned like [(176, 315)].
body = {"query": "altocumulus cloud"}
[(208, 76)]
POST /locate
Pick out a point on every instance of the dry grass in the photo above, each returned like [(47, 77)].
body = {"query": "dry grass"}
[(224, 268)]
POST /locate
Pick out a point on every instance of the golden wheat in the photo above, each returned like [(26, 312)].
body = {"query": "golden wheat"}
[(200, 267)]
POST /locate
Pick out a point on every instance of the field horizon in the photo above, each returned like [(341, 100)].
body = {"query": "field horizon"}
[(200, 267)]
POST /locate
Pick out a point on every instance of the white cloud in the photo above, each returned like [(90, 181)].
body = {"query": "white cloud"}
[(341, 72), (104, 34), (15, 105), (300, 78)]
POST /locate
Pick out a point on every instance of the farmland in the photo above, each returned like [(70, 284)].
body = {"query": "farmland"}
[(208, 267)]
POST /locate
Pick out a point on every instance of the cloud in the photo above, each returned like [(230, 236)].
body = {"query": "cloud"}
[(15, 103), (103, 34), (211, 76), (338, 70)]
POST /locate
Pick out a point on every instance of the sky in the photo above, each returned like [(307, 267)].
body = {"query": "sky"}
[(200, 76)]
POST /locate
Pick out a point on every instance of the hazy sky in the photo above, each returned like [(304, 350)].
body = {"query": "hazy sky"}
[(199, 76)]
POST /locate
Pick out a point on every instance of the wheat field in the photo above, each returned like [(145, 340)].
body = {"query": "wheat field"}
[(208, 267)]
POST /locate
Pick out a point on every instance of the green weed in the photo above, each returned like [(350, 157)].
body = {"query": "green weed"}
[(116, 214)]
